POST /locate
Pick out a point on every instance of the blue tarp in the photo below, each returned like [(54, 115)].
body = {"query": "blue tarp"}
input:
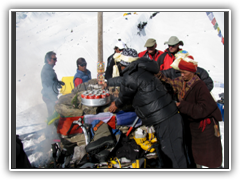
[(221, 107)]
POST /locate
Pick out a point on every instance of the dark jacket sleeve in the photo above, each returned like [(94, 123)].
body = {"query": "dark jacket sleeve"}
[(127, 92), (109, 69), (116, 81)]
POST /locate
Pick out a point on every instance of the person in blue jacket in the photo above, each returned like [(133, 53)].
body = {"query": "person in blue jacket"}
[(83, 74)]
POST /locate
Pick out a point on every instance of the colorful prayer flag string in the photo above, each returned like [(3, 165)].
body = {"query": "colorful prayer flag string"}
[(215, 25)]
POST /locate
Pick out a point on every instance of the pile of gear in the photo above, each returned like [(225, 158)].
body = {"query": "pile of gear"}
[(92, 137)]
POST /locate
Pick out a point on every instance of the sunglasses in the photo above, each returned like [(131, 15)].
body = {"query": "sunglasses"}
[(172, 45), (83, 64), (54, 59)]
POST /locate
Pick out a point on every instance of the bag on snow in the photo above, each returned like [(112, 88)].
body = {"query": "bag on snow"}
[(64, 125)]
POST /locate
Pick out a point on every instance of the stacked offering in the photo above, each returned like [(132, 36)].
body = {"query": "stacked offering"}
[(95, 97)]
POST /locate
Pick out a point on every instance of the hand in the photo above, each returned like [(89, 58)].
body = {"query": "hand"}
[(112, 107), (104, 86), (61, 82), (177, 103)]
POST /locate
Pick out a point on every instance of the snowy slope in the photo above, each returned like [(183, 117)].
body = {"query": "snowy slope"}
[(74, 34)]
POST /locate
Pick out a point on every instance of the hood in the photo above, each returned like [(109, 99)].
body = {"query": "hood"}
[(143, 63)]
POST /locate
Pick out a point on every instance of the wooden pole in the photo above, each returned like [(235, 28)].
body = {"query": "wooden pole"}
[(100, 63), (100, 37)]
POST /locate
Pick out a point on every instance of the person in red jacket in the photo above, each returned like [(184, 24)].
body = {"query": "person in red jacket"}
[(166, 59), (151, 52)]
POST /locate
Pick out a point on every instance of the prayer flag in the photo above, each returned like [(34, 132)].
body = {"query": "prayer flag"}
[(213, 21), (216, 26), (220, 34), (210, 16)]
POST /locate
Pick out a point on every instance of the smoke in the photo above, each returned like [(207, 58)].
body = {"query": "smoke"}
[(36, 135)]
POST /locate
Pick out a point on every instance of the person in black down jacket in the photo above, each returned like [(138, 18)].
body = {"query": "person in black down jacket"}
[(153, 105)]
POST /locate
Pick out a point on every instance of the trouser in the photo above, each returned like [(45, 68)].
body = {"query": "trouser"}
[(50, 105), (170, 137)]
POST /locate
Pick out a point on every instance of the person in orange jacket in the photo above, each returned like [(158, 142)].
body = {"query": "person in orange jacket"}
[(151, 52), (166, 59)]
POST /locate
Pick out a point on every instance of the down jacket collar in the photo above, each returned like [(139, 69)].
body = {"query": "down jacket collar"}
[(143, 63)]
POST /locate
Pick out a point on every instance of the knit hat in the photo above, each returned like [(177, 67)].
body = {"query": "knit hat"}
[(126, 56), (184, 61)]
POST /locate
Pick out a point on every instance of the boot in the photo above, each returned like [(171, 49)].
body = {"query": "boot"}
[(141, 139), (151, 136)]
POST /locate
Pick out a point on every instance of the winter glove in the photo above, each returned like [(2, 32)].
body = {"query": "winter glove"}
[(61, 82)]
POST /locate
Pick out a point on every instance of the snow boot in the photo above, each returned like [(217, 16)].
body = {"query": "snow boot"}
[(151, 136), (141, 139)]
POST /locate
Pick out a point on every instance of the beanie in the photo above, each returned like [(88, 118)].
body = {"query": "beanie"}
[(126, 56)]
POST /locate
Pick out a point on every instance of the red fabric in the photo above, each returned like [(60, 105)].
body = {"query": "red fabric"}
[(78, 81), (112, 122), (155, 57), (203, 123), (64, 125), (188, 66), (168, 60)]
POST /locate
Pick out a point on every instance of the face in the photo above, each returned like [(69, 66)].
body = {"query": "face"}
[(151, 50), (173, 48), (53, 60), (118, 50), (186, 75), (82, 66), (122, 67)]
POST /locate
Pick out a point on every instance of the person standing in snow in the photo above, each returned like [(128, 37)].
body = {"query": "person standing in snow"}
[(120, 45), (151, 52), (200, 113), (83, 74), (152, 104), (168, 56), (50, 82)]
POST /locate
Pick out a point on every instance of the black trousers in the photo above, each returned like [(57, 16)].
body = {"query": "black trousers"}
[(171, 149)]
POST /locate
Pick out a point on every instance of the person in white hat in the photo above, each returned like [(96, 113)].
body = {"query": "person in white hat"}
[(152, 104), (119, 46)]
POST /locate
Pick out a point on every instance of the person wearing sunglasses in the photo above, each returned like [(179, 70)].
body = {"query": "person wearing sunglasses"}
[(166, 59), (83, 74), (50, 82)]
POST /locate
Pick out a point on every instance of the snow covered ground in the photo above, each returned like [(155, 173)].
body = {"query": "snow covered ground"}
[(74, 34)]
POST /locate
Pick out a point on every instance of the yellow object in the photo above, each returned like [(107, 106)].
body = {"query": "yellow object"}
[(53, 117), (152, 138), (67, 88), (114, 162), (137, 163), (134, 165), (145, 145), (145, 163)]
